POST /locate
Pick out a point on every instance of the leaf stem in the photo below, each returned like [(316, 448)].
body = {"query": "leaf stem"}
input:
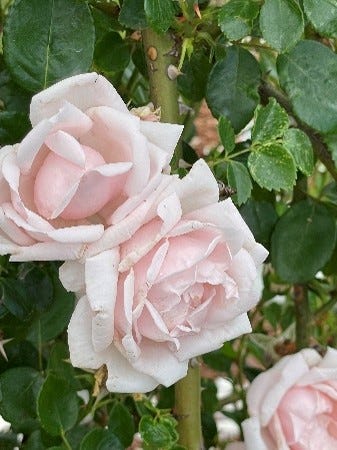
[(303, 316), (65, 440), (163, 91), (320, 149)]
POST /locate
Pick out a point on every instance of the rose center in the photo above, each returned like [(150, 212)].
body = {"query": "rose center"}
[(65, 189)]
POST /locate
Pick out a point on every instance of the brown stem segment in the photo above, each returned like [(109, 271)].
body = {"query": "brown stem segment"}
[(303, 316), (164, 94), (163, 90)]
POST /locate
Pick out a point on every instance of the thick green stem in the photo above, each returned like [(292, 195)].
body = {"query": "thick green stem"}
[(187, 409), (163, 91)]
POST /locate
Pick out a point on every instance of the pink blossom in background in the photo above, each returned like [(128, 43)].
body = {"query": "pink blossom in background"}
[(177, 287), (87, 163), (293, 405)]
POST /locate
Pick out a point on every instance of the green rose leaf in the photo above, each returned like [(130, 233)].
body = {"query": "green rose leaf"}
[(101, 439), (271, 122), (121, 424), (132, 14), (236, 18), (232, 87), (19, 388), (299, 145), (308, 76), (281, 23), (57, 405), (160, 14), (157, 433), (323, 16), (112, 53), (47, 40), (303, 241), (192, 84), (52, 321), (226, 134), (239, 179), (272, 167), (261, 218)]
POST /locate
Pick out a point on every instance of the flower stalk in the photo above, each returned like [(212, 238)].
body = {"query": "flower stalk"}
[(159, 52)]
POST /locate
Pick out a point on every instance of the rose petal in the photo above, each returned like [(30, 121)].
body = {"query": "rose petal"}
[(31, 145), (48, 251), (77, 234), (66, 146), (159, 362), (118, 139), (71, 120), (14, 232), (252, 433), (82, 353), (198, 188), (264, 396), (163, 135), (209, 340), (84, 91), (72, 276), (101, 293)]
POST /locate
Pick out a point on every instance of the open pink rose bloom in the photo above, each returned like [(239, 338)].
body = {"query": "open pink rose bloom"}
[(162, 269), (178, 287), (293, 405), (86, 158)]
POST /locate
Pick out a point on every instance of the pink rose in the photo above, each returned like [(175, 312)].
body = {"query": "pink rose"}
[(293, 405), (176, 288), (86, 163)]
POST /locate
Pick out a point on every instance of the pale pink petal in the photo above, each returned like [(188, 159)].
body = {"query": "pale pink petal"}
[(71, 120), (101, 292), (118, 139), (82, 353), (156, 263), (329, 360), (84, 91), (7, 246), (72, 276), (208, 340), (66, 146), (123, 231), (159, 362), (4, 188), (14, 232), (31, 144), (252, 433), (48, 251), (77, 234), (163, 135), (124, 378), (169, 210), (198, 188), (150, 196), (265, 394)]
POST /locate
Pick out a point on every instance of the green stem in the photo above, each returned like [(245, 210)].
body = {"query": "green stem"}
[(187, 409), (303, 316), (65, 440), (163, 90), (164, 94)]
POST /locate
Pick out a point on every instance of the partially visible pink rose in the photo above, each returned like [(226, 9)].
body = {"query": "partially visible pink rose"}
[(86, 164), (176, 288), (293, 405)]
